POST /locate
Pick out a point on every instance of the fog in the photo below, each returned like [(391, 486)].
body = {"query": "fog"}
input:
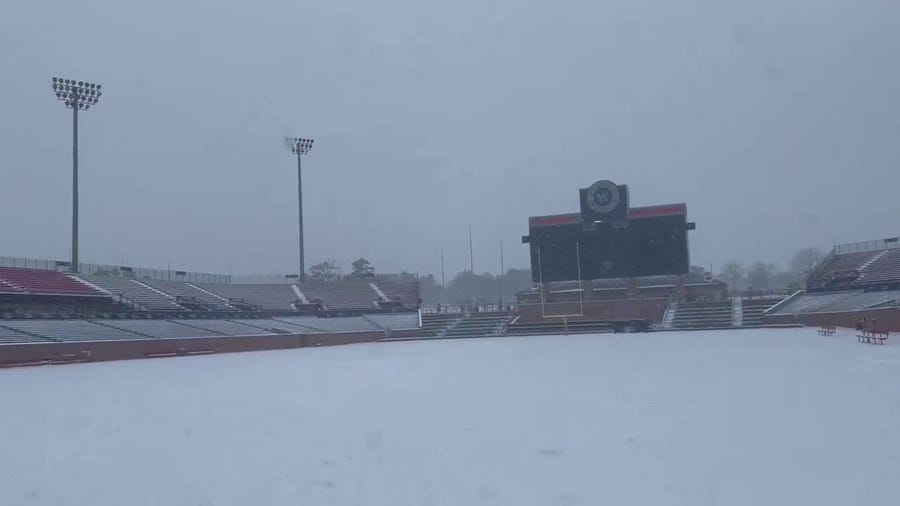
[(776, 121)]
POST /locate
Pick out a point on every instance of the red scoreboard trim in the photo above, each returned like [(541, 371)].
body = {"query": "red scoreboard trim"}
[(633, 214)]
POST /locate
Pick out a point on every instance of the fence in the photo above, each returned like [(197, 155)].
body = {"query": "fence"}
[(116, 270), (166, 274), (875, 245)]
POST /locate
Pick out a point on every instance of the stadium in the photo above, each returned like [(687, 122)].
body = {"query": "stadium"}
[(615, 327), (667, 203), (613, 269)]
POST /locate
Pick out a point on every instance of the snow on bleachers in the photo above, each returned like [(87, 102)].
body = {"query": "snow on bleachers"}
[(71, 330), (11, 336), (407, 290), (182, 289), (884, 268), (349, 324), (133, 291), (344, 294), (224, 327), (272, 297), (395, 321), (160, 328)]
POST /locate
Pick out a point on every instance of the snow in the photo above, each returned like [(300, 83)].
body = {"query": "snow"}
[(742, 417)]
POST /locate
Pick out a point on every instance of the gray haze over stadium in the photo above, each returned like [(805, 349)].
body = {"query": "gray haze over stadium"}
[(777, 122)]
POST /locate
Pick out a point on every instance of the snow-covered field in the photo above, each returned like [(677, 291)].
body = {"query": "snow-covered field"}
[(733, 418)]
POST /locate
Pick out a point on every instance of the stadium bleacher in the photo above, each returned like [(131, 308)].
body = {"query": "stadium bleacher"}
[(223, 327), (398, 321), (160, 328), (845, 267), (271, 297), (271, 326), (709, 314), (70, 330), (12, 336), (313, 324), (753, 309), (344, 295), (883, 268), (406, 290), (180, 289), (836, 302), (134, 292), (42, 282)]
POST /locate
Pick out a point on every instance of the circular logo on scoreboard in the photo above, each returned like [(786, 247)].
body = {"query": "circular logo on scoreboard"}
[(603, 197)]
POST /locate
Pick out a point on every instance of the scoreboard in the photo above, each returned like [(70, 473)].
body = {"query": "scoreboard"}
[(650, 241)]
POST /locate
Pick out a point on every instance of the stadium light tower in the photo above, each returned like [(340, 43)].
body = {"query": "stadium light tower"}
[(300, 147), (78, 96)]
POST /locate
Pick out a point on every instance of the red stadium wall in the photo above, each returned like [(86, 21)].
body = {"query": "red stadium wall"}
[(49, 353)]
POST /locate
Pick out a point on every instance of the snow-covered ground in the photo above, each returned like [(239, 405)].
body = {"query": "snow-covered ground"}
[(733, 418)]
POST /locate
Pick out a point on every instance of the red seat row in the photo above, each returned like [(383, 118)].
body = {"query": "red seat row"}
[(43, 282)]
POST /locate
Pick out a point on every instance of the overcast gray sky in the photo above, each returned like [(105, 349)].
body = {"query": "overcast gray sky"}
[(776, 121)]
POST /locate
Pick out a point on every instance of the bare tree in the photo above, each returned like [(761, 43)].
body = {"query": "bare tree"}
[(325, 271), (805, 262), (760, 275), (733, 272)]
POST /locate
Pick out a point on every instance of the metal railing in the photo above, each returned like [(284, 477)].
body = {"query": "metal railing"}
[(167, 274), (864, 246)]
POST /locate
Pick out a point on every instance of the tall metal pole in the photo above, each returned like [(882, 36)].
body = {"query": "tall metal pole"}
[(76, 95), (500, 277), (74, 266), (472, 266), (442, 266), (300, 147), (300, 208)]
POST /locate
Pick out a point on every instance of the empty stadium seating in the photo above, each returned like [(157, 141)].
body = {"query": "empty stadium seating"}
[(479, 325), (12, 336), (6, 287), (695, 315), (160, 328), (839, 268), (223, 327), (343, 295), (752, 311), (71, 330), (434, 324), (312, 324), (399, 321), (36, 281), (836, 302), (406, 290), (271, 297), (271, 326), (883, 268), (180, 289), (134, 292)]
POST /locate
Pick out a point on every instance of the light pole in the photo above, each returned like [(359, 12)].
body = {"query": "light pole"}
[(77, 95), (300, 147)]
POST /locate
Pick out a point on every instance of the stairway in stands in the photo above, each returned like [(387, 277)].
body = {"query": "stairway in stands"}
[(703, 315), (435, 325), (455, 325), (753, 311), (479, 325)]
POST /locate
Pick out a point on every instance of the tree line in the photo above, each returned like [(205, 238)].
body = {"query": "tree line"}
[(487, 288), (484, 288), (766, 276)]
